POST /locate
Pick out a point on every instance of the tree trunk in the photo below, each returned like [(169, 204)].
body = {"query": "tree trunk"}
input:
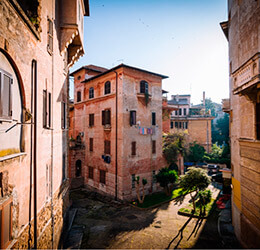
[(138, 193)]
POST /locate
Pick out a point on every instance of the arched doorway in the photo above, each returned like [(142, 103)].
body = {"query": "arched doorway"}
[(78, 168)]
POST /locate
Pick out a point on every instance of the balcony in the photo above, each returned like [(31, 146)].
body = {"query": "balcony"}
[(226, 105), (247, 76), (107, 127), (144, 98)]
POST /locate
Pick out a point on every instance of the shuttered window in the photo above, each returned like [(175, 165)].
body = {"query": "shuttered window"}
[(50, 37), (106, 117), (153, 147), (153, 118), (91, 93), (5, 95), (102, 176), (107, 147), (132, 117), (133, 148), (91, 120), (91, 144), (144, 87), (107, 87), (46, 109), (78, 96)]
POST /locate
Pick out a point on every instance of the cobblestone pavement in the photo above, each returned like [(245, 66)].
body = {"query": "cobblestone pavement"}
[(103, 223)]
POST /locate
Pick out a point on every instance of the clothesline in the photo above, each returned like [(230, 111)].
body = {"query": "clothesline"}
[(146, 131)]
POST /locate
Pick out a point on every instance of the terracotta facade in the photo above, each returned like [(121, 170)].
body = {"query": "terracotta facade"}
[(243, 31), (38, 44), (133, 147)]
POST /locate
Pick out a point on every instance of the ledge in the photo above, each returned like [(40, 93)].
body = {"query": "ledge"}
[(8, 157)]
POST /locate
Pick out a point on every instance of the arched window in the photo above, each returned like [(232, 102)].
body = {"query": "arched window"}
[(91, 93), (107, 87), (78, 96), (78, 168), (144, 87)]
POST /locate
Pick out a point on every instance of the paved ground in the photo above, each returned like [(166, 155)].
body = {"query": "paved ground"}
[(102, 223)]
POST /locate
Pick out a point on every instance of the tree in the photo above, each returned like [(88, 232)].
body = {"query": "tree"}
[(195, 180), (209, 105), (204, 198), (220, 132), (144, 182), (195, 152), (173, 145), (167, 177)]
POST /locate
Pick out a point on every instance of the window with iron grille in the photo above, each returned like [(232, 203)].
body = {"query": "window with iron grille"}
[(78, 96), (102, 176), (132, 117), (153, 147), (133, 147), (91, 120), (91, 93), (107, 147), (91, 173), (6, 82), (107, 87), (106, 117), (6, 223), (91, 144), (63, 115), (153, 118), (133, 180), (50, 36), (46, 109), (144, 87)]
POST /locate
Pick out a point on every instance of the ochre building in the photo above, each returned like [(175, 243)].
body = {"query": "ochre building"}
[(243, 33), (117, 132), (39, 42)]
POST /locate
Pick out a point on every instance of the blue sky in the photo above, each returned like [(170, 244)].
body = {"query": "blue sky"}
[(178, 38)]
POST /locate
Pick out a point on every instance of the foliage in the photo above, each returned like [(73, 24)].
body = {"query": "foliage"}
[(195, 152), (209, 105), (220, 131), (196, 179), (167, 177), (204, 198), (144, 182), (173, 145)]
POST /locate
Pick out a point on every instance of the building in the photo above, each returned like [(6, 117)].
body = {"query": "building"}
[(39, 42), (243, 31), (191, 118), (117, 132)]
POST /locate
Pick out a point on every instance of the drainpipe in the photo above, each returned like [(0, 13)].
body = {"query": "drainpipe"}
[(34, 80), (116, 135)]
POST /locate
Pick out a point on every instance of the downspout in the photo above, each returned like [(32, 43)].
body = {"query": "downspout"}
[(116, 136), (34, 79)]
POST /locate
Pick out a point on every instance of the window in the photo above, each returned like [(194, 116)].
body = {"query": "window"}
[(106, 117), (153, 118), (5, 95), (91, 144), (107, 147), (50, 36), (102, 177), (154, 176), (91, 120), (79, 96), (63, 115), (176, 124), (91, 93), (153, 147), (133, 147), (171, 124), (180, 112), (133, 180), (91, 173), (176, 112), (184, 111), (46, 109), (132, 117), (185, 125), (6, 223), (180, 124), (107, 87), (258, 121), (144, 87), (78, 168)]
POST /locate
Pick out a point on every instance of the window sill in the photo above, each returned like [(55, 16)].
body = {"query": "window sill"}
[(8, 157)]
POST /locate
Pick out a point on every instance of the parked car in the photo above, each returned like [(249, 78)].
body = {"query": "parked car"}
[(212, 169), (218, 177)]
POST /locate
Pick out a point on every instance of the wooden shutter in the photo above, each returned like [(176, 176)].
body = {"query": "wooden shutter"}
[(49, 110), (103, 117), (44, 111), (6, 223), (132, 117), (91, 144), (50, 36), (153, 147), (133, 148), (153, 118), (5, 96), (107, 117)]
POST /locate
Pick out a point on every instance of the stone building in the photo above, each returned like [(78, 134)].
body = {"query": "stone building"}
[(39, 42), (243, 32), (191, 118), (117, 128)]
